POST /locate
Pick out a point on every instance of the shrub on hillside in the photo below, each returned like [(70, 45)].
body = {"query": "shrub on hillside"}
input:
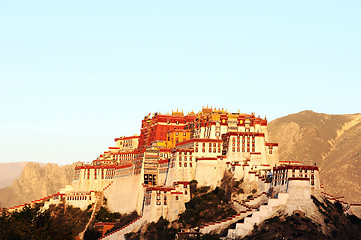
[(209, 207), (104, 215), (58, 222)]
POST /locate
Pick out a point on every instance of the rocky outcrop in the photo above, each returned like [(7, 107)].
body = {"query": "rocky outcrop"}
[(333, 142), (36, 181)]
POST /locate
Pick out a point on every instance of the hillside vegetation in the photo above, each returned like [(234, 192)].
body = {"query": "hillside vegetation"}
[(57, 223)]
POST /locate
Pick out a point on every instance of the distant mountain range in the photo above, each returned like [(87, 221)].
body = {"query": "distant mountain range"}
[(36, 181), (333, 142), (9, 172)]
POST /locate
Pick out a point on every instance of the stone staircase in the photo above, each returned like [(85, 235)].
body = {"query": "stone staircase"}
[(259, 215), (244, 208), (224, 223), (252, 203)]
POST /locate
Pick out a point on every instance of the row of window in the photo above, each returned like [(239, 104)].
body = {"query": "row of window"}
[(209, 144), (243, 149), (209, 150), (243, 144), (294, 170), (243, 138), (185, 164), (283, 176), (124, 156), (159, 202), (158, 197), (185, 158), (184, 153), (79, 198)]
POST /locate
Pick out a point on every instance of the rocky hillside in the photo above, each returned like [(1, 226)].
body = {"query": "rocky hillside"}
[(9, 172), (36, 181), (333, 142)]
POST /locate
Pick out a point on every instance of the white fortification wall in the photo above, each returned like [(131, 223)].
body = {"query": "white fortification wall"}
[(125, 194), (180, 173), (300, 198), (210, 172)]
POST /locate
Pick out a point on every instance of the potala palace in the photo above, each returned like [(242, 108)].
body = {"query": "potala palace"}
[(151, 172)]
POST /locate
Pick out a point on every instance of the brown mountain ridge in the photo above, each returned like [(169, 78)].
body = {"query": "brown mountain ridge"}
[(36, 181), (333, 142)]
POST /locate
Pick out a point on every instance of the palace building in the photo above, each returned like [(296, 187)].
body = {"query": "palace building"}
[(151, 173)]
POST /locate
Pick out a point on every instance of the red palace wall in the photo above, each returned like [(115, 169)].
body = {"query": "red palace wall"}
[(156, 128)]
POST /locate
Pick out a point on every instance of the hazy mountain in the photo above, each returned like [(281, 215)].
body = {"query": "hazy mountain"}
[(333, 142), (36, 181), (9, 172)]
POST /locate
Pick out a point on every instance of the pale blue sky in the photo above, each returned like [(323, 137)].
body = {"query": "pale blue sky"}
[(76, 74)]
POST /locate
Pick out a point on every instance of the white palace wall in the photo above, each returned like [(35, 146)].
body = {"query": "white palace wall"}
[(273, 159), (125, 194), (209, 171), (299, 197), (206, 173)]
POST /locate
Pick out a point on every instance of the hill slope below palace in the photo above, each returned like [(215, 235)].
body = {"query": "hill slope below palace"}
[(36, 181), (333, 142)]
